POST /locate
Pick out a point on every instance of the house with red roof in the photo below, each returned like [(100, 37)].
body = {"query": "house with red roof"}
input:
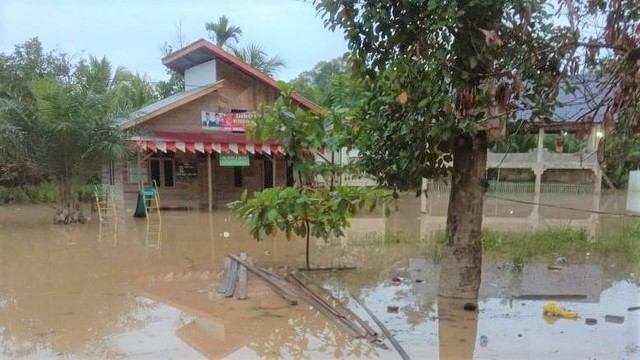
[(193, 146)]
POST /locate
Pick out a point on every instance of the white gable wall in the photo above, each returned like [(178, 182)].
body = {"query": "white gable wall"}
[(200, 75)]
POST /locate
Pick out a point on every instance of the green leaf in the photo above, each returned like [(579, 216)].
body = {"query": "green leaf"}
[(473, 62), (272, 215)]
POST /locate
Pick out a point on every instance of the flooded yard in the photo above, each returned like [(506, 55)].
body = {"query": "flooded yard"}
[(81, 292)]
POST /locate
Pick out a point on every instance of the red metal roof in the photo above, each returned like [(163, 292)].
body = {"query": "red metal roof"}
[(203, 50)]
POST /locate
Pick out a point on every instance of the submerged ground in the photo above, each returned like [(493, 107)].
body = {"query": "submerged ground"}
[(80, 292)]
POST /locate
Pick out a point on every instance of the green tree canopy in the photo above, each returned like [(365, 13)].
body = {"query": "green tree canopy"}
[(254, 55)]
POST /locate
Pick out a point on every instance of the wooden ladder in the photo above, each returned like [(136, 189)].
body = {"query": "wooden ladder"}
[(154, 217), (106, 213)]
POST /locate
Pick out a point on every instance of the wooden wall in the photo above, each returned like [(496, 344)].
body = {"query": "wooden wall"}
[(238, 92), (192, 193)]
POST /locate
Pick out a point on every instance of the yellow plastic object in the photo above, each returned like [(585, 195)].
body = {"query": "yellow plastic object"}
[(553, 309)]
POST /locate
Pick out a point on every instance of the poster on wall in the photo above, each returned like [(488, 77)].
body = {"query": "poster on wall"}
[(186, 169), (229, 122)]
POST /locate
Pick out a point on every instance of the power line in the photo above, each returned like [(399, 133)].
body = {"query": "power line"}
[(563, 207)]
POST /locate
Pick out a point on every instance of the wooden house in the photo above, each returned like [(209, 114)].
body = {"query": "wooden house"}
[(192, 144)]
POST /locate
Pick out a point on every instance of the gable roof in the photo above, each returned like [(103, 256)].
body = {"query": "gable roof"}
[(202, 51), (168, 104)]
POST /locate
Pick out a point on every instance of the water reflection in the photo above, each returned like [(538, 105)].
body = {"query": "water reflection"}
[(429, 326), (63, 291), (457, 329)]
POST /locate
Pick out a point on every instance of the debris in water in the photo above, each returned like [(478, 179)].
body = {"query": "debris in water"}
[(561, 261), (484, 340), (614, 319), (590, 321), (633, 308), (396, 280), (554, 267), (470, 307), (403, 354), (419, 281), (392, 308), (191, 264), (553, 309), (519, 335)]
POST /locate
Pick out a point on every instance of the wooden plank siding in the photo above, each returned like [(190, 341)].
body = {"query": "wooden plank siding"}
[(192, 193)]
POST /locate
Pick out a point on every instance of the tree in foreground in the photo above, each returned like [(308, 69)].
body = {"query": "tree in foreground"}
[(305, 210), (445, 77)]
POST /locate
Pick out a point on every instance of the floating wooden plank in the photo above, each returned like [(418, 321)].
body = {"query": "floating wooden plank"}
[(403, 354), (343, 268), (225, 274), (275, 285), (326, 309), (346, 311), (231, 280), (242, 279)]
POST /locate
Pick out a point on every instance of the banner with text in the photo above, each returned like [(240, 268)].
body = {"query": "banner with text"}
[(234, 160), (231, 122)]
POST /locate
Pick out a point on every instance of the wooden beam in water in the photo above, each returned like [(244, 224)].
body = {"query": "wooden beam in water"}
[(242, 279), (275, 285), (403, 354)]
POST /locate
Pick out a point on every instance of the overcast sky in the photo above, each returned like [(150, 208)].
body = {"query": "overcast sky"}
[(130, 32)]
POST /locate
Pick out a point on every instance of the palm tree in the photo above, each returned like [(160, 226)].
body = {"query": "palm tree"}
[(221, 32), (78, 132), (254, 55), (126, 91)]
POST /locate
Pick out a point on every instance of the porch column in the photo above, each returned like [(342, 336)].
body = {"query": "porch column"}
[(540, 145), (209, 182), (423, 197), (597, 181), (538, 170), (273, 167)]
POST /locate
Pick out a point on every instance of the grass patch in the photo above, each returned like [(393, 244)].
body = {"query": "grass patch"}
[(522, 247)]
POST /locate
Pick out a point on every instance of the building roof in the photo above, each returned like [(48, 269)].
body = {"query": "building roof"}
[(583, 96), (202, 51)]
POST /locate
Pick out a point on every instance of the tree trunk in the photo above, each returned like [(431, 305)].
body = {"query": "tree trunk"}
[(462, 261), (69, 211)]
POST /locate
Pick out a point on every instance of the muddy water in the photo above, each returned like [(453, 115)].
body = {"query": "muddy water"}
[(80, 292)]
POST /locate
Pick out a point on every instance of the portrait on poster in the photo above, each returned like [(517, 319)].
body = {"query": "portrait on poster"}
[(211, 120)]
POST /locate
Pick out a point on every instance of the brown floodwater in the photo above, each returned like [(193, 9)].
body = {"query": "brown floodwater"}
[(81, 292)]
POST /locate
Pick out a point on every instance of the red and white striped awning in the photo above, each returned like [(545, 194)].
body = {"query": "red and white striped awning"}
[(205, 147)]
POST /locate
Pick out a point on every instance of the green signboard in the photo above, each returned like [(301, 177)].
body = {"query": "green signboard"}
[(234, 160)]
